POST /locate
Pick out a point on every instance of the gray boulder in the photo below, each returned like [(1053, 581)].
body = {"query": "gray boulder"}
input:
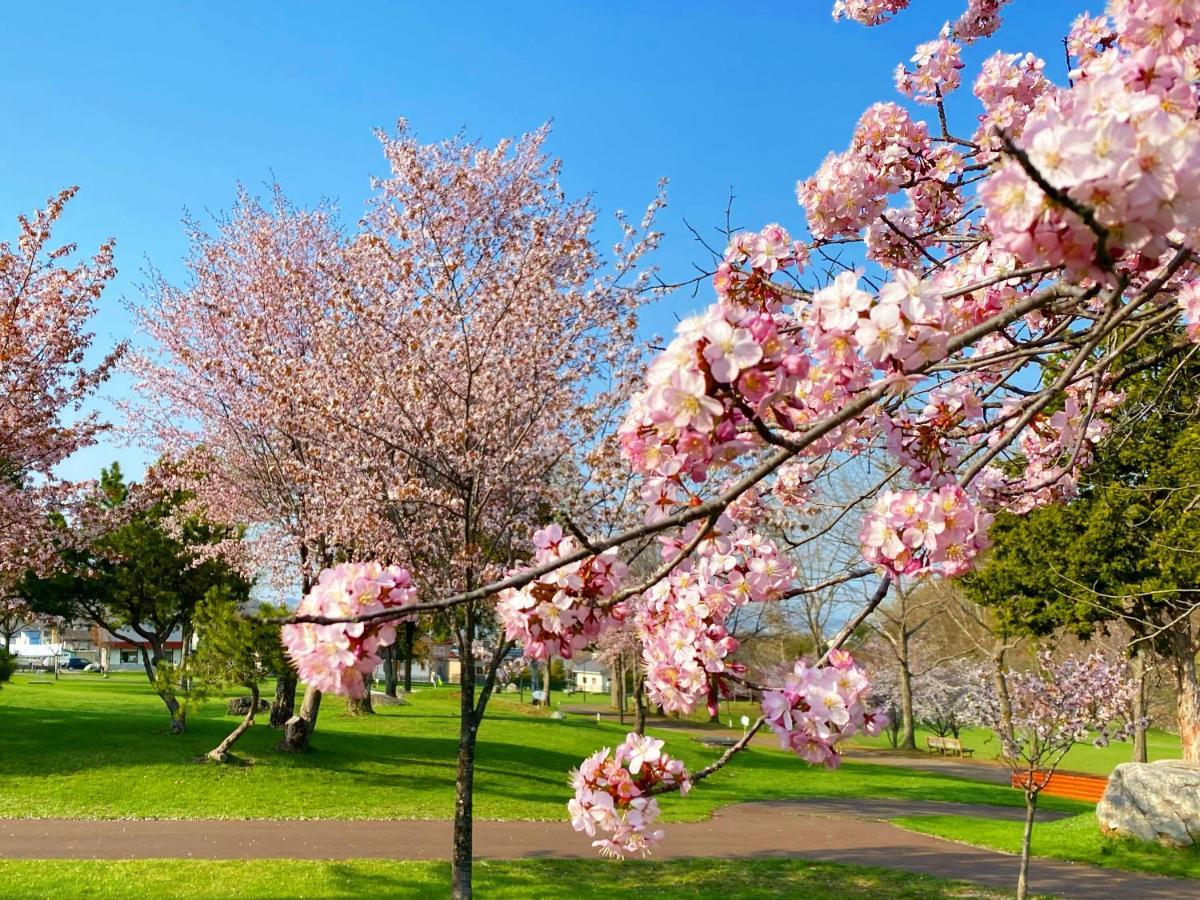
[(1157, 801), (239, 706)]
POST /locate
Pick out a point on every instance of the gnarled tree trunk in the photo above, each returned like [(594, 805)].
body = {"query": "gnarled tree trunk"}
[(284, 704), (220, 753), (298, 730)]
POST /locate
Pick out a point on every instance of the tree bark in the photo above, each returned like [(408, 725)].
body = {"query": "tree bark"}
[(639, 702), (176, 711), (389, 670), (220, 753), (1031, 798), (908, 731), (1187, 689), (1001, 682), (546, 679), (1140, 750), (284, 703), (410, 637), (362, 706), (297, 732)]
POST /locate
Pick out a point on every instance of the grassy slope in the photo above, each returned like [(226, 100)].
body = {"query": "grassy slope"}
[(1075, 839), (707, 879), (1081, 758), (83, 747)]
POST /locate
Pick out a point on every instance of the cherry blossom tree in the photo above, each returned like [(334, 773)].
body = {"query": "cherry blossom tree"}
[(498, 334), (1054, 707), (1016, 275), (46, 301), (219, 389)]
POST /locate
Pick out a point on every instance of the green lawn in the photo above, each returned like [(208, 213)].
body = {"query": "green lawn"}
[(84, 747), (187, 879), (1081, 758), (1075, 839)]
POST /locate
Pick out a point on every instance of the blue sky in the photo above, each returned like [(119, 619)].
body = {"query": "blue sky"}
[(155, 109)]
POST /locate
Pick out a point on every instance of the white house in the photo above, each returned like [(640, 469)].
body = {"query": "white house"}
[(592, 678), (117, 654)]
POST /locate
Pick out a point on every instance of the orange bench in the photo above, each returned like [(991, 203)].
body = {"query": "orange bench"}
[(1089, 788)]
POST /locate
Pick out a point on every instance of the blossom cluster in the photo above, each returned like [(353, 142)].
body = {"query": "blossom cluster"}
[(738, 361), (1123, 143), (1008, 85), (334, 658), (682, 620), (1188, 299), (613, 794), (816, 707), (980, 19), (868, 12), (887, 152), (564, 610), (913, 532), (901, 329), (936, 70), (1055, 447)]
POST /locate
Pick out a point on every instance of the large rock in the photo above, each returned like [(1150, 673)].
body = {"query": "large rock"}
[(1157, 801), (239, 706)]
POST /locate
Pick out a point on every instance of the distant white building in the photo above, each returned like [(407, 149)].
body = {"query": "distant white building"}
[(592, 678), (117, 654)]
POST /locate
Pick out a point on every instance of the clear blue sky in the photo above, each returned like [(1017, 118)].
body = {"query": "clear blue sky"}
[(158, 108)]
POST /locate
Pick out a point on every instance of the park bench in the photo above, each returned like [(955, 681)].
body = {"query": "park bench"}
[(944, 745), (1089, 788)]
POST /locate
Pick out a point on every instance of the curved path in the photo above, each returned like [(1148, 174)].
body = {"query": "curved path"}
[(829, 830)]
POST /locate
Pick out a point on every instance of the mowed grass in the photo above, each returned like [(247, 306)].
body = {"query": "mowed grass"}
[(707, 879), (85, 747), (1083, 757), (1075, 839)]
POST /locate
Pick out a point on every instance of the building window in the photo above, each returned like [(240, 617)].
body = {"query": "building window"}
[(33, 637), (129, 656)]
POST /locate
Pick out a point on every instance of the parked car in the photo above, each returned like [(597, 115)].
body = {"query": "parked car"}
[(93, 667), (77, 663)]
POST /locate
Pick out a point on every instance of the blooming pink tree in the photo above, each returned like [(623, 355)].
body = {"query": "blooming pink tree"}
[(220, 390), (1054, 707), (46, 301), (1016, 273)]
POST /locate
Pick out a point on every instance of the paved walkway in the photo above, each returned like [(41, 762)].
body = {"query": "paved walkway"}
[(829, 830)]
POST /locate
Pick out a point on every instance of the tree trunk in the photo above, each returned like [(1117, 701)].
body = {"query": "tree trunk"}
[(1031, 798), (639, 702), (908, 732), (389, 670), (410, 637), (297, 732), (546, 679), (176, 711), (362, 706), (220, 753), (1001, 682), (464, 787), (1140, 753), (1187, 689), (284, 703)]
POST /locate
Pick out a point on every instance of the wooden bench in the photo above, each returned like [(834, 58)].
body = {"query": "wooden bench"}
[(1089, 788), (944, 745)]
